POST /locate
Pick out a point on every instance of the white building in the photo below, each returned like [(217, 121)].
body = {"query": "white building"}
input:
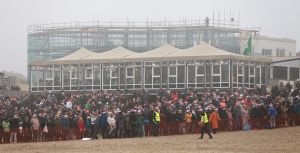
[(269, 46)]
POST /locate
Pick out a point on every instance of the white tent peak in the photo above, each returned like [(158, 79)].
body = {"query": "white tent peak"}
[(115, 53), (159, 52), (202, 49), (76, 55)]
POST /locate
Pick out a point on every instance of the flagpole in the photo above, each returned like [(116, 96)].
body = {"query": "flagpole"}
[(252, 46)]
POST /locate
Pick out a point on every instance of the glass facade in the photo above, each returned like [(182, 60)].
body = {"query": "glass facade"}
[(150, 75)]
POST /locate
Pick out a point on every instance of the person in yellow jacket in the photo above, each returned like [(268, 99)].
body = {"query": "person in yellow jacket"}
[(156, 121), (205, 123)]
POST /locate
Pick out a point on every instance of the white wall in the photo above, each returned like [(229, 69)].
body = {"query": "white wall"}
[(262, 42)]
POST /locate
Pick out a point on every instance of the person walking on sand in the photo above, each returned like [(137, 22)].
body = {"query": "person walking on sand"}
[(205, 123)]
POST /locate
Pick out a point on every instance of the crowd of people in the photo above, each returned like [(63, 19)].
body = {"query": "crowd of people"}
[(109, 114)]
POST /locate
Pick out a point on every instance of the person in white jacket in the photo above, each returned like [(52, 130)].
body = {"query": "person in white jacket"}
[(112, 124)]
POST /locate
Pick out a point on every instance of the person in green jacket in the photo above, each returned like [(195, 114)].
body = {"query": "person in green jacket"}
[(6, 130)]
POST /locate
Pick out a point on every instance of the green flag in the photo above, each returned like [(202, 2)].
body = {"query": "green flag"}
[(248, 49)]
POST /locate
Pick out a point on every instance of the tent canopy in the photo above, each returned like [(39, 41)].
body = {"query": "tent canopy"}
[(154, 54), (75, 56), (114, 54), (166, 52)]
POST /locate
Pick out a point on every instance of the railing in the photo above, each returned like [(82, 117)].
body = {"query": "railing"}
[(165, 129)]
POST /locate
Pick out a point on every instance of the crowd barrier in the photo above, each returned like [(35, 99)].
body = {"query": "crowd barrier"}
[(165, 129)]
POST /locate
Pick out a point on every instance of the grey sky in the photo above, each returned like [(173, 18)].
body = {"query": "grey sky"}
[(277, 18)]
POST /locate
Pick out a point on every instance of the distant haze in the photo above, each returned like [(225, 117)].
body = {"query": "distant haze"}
[(277, 18)]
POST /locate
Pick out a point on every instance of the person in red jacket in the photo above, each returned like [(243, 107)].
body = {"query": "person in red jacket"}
[(81, 126)]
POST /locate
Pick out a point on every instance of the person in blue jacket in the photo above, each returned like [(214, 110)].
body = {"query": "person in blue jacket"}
[(272, 112)]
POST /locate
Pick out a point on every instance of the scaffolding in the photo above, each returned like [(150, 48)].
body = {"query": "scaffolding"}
[(50, 41)]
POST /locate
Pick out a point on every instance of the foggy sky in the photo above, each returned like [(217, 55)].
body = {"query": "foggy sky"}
[(277, 18)]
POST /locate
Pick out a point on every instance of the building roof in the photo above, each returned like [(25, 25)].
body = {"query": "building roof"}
[(114, 54), (154, 54), (283, 59), (74, 57), (204, 51), (166, 52)]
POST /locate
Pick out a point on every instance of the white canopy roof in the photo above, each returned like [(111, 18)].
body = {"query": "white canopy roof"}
[(155, 54), (79, 54), (166, 52), (202, 50), (114, 54)]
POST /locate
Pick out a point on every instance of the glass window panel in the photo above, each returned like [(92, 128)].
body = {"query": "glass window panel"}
[(106, 76), (96, 78), (49, 83), (164, 74), (49, 74), (74, 73), (263, 75), (240, 79), (216, 69), (246, 74), (200, 70), (41, 78), (156, 71), (200, 79), (66, 79), (56, 78), (122, 75), (148, 75), (156, 80), (191, 74), (257, 75), (138, 75), (180, 74), (234, 73), (225, 73), (278, 73), (88, 73), (252, 70), (294, 74), (34, 78), (88, 82), (114, 72), (240, 70), (251, 80), (74, 82), (208, 74), (172, 79), (129, 81), (129, 72), (172, 70), (114, 81), (216, 78)]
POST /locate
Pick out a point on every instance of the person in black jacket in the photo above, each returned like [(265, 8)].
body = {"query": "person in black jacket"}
[(14, 123)]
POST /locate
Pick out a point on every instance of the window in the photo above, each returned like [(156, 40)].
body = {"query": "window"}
[(279, 72), (280, 52), (172, 71), (49, 74), (266, 52), (89, 73), (129, 72), (200, 70), (74, 74), (294, 74)]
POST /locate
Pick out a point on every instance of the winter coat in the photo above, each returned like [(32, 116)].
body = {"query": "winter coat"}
[(35, 124), (80, 124), (65, 123), (214, 120)]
